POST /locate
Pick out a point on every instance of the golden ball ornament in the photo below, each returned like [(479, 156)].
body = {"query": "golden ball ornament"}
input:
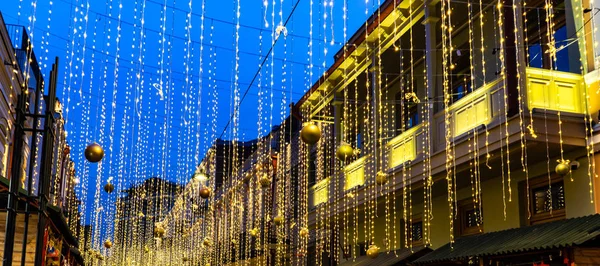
[(373, 252), (207, 242), (108, 244), (381, 178), (344, 152), (304, 232), (310, 134), (278, 220), (146, 249), (204, 192), (94, 152), (563, 167), (159, 231), (265, 181), (109, 188), (185, 259), (254, 232)]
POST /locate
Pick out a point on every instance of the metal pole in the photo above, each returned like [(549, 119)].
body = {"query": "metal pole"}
[(46, 165), (15, 178), (32, 163)]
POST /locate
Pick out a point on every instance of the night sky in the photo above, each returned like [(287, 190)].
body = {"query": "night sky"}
[(149, 129)]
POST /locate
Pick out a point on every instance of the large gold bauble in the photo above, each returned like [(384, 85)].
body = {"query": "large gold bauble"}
[(108, 244), (207, 242), (254, 232), (109, 188), (278, 220), (265, 181), (204, 192), (563, 167), (94, 152), (304, 232), (373, 252), (310, 134), (159, 231), (344, 152), (381, 178)]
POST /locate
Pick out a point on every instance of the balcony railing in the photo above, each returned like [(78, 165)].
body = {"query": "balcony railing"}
[(403, 148), (355, 173), (555, 90), (319, 193)]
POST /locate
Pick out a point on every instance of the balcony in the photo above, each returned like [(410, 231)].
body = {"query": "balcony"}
[(403, 148), (319, 193), (354, 173), (555, 90)]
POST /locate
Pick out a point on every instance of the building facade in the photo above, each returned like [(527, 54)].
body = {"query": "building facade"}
[(459, 114), (39, 208)]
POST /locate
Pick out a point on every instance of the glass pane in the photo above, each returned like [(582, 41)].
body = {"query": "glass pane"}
[(535, 56), (549, 198), (473, 218), (417, 231)]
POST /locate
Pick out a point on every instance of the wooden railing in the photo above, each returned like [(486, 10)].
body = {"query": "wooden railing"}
[(555, 90)]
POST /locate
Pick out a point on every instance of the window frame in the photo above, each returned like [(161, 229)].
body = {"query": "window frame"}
[(555, 215), (415, 220), (465, 206)]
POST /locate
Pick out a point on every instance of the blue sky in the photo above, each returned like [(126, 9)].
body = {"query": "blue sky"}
[(150, 129)]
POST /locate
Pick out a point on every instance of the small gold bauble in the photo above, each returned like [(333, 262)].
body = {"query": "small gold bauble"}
[(373, 252), (204, 193), (207, 242), (563, 167), (109, 188), (304, 232), (108, 244), (185, 259), (381, 178), (344, 152), (265, 181), (310, 134), (159, 231), (146, 249), (278, 220), (94, 152), (254, 232)]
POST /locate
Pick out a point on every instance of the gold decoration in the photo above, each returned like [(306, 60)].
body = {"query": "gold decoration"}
[(563, 167), (373, 252), (146, 249), (204, 193), (304, 232), (381, 178), (310, 133), (108, 244), (109, 188), (278, 220), (185, 259), (265, 181), (94, 153), (207, 242), (344, 152), (159, 231), (254, 232)]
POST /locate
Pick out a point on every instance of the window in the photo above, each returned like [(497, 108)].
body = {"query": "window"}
[(470, 218), (416, 232), (407, 115), (547, 199)]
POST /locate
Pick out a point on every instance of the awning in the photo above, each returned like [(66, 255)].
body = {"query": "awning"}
[(400, 257), (547, 236), (61, 224)]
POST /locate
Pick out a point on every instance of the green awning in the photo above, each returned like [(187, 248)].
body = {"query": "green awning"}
[(400, 257), (547, 236)]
